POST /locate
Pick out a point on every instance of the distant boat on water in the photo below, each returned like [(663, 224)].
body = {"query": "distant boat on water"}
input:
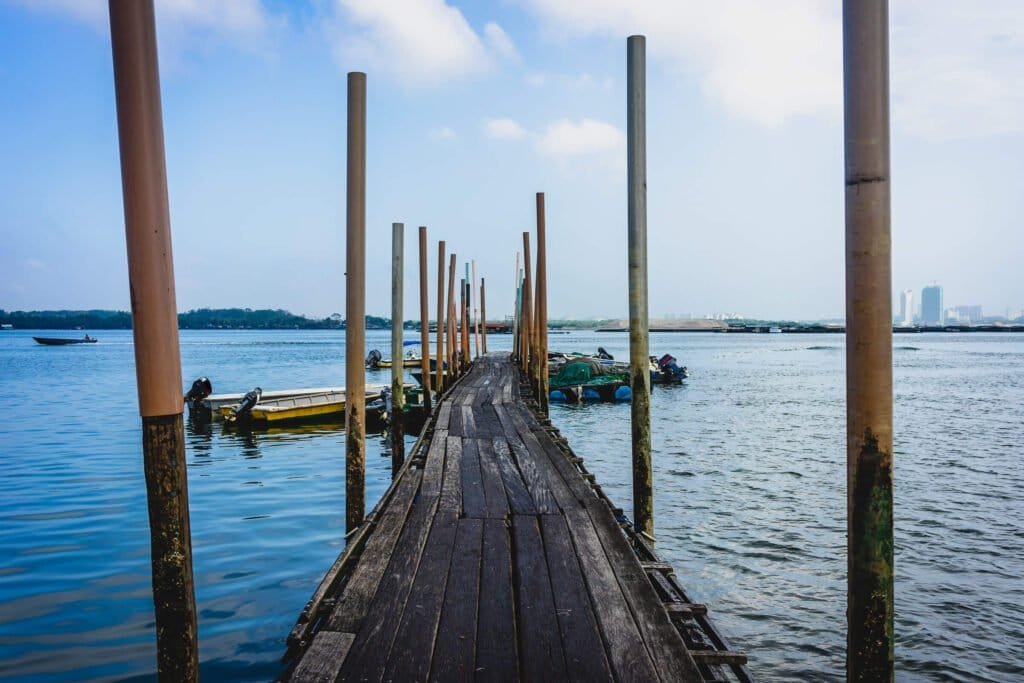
[(59, 341)]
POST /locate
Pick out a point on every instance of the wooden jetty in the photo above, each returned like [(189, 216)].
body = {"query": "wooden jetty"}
[(495, 556)]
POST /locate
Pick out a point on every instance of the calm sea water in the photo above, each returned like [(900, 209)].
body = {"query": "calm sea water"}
[(749, 479)]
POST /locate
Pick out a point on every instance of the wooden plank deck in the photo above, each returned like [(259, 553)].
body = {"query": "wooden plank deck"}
[(492, 558)]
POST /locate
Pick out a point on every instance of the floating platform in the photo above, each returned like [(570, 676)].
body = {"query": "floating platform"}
[(494, 556)]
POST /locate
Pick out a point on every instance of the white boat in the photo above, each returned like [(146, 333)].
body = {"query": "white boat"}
[(215, 402)]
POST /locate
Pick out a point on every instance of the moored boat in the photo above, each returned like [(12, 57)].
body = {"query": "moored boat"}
[(63, 341)]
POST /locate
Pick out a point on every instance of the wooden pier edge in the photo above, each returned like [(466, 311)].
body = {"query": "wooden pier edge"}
[(299, 637)]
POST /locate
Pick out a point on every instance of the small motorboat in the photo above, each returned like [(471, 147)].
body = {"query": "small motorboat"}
[(63, 341)]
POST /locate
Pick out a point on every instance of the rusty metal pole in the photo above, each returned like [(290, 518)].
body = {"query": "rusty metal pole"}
[(155, 333), (542, 306), (639, 333), (442, 331), (355, 306), (526, 327), (453, 370), (397, 354), (870, 646), (424, 322), (483, 317)]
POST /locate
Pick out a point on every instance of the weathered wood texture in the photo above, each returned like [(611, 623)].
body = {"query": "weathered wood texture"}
[(495, 560)]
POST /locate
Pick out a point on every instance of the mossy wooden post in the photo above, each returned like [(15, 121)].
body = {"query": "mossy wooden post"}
[(397, 353), (639, 333), (155, 332), (442, 330), (483, 317), (355, 306), (542, 307), (424, 322), (869, 612), (526, 326), (465, 323), (453, 366)]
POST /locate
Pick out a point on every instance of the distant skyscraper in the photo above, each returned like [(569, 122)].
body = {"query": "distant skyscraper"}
[(932, 312), (906, 307)]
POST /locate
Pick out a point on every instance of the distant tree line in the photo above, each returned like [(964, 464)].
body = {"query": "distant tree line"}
[(198, 319)]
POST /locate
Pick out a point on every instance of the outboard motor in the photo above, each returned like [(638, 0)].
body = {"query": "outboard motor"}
[(604, 355), (670, 371), (244, 408), (201, 388), (373, 359)]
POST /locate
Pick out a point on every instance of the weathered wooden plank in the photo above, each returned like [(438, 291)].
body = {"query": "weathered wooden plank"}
[(468, 422), (624, 645), (322, 661), (495, 499), (663, 640), (451, 486), (536, 482), (473, 503), (540, 655), (456, 425), (563, 495), (454, 656), (433, 469), (497, 657), (373, 641), (581, 640), (444, 413), (519, 499), (414, 641), (350, 609)]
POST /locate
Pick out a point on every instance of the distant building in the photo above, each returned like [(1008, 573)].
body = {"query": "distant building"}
[(906, 315), (968, 314), (931, 305)]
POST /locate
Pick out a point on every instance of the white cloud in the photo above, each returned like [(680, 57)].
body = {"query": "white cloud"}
[(442, 133), (565, 138), (504, 129), (499, 41), (421, 43), (764, 61), (233, 16)]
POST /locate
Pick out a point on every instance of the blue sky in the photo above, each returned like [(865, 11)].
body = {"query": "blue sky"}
[(473, 107)]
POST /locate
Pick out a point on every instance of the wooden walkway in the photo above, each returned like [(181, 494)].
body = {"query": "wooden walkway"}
[(493, 557)]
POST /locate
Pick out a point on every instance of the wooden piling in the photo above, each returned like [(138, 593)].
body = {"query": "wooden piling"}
[(542, 307), (355, 305), (425, 323), (870, 642), (155, 333), (397, 352), (526, 326), (453, 366), (476, 313), (483, 317), (442, 330), (639, 333), (465, 323)]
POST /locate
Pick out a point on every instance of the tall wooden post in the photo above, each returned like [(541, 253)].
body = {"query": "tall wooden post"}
[(483, 317), (155, 332), (442, 330), (424, 322), (476, 313), (453, 366), (639, 333), (526, 326), (542, 307), (355, 305), (465, 324), (870, 648), (397, 354)]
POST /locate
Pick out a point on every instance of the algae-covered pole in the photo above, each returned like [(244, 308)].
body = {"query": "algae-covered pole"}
[(869, 647), (442, 331), (424, 322), (355, 306), (397, 356), (639, 333), (155, 331), (542, 306), (526, 324), (483, 317), (465, 322)]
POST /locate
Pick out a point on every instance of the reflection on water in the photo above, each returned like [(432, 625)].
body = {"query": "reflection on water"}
[(749, 495)]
